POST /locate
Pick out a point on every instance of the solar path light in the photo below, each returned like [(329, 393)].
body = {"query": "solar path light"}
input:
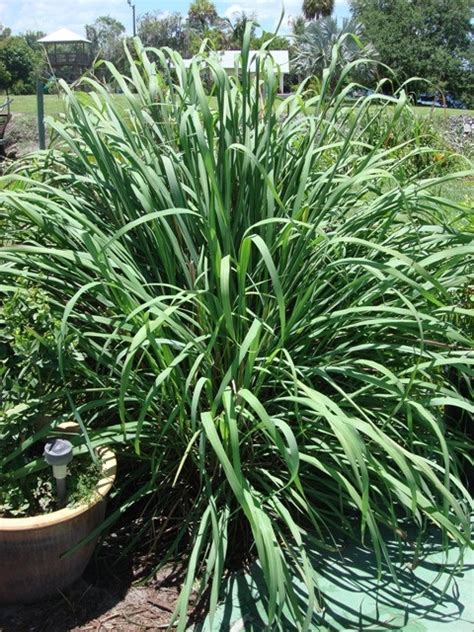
[(58, 453)]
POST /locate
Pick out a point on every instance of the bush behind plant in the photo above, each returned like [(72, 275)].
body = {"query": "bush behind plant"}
[(417, 140), (266, 316)]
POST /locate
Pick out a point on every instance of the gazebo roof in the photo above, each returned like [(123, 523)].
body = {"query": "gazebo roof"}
[(63, 36)]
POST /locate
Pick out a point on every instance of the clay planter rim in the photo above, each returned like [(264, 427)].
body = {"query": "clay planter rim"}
[(109, 469)]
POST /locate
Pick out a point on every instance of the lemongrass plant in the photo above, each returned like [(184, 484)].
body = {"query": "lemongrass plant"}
[(266, 314)]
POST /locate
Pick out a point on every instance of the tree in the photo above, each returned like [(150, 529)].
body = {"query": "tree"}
[(277, 42), (202, 15), (315, 9), (313, 47), (298, 25), (157, 30), (5, 77), (204, 23), (32, 37), (4, 32), (106, 35), (431, 39), (20, 63), (238, 28)]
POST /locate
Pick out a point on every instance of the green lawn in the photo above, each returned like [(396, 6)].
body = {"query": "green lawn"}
[(459, 191), (426, 111), (53, 104), (26, 104)]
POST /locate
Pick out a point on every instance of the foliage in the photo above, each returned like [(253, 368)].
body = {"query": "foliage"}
[(238, 27), (298, 25), (4, 32), (157, 30), (32, 384), (202, 15), (35, 494), (417, 141), (430, 39), (32, 37), (5, 77), (269, 313), (106, 34), (32, 393), (204, 24), (315, 9), (274, 42), (28, 351), (20, 63), (313, 47)]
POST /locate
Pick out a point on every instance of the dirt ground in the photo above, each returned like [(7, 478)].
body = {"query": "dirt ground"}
[(21, 136), (94, 607), (107, 597)]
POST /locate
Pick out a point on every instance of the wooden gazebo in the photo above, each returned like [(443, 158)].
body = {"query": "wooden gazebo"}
[(68, 54)]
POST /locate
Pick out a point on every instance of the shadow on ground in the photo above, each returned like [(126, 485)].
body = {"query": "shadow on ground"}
[(429, 591), (87, 600)]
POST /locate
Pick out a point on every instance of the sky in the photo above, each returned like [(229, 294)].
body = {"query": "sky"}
[(50, 15)]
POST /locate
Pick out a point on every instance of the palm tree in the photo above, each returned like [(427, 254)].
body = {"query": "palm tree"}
[(313, 46), (239, 26), (202, 14), (315, 9)]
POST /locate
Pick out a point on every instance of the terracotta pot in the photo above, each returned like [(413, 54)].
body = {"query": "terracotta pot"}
[(31, 566)]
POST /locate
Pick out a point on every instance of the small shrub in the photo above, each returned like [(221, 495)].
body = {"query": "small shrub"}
[(22, 87), (35, 493), (32, 397), (28, 349), (415, 140)]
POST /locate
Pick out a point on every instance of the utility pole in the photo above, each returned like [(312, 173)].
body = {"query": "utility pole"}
[(129, 2)]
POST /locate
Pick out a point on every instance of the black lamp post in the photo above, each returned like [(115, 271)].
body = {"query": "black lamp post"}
[(129, 2)]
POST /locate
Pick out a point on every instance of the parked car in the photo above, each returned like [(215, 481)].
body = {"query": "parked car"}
[(437, 101), (359, 92)]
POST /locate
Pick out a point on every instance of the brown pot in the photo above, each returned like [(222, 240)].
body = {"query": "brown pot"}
[(31, 566)]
